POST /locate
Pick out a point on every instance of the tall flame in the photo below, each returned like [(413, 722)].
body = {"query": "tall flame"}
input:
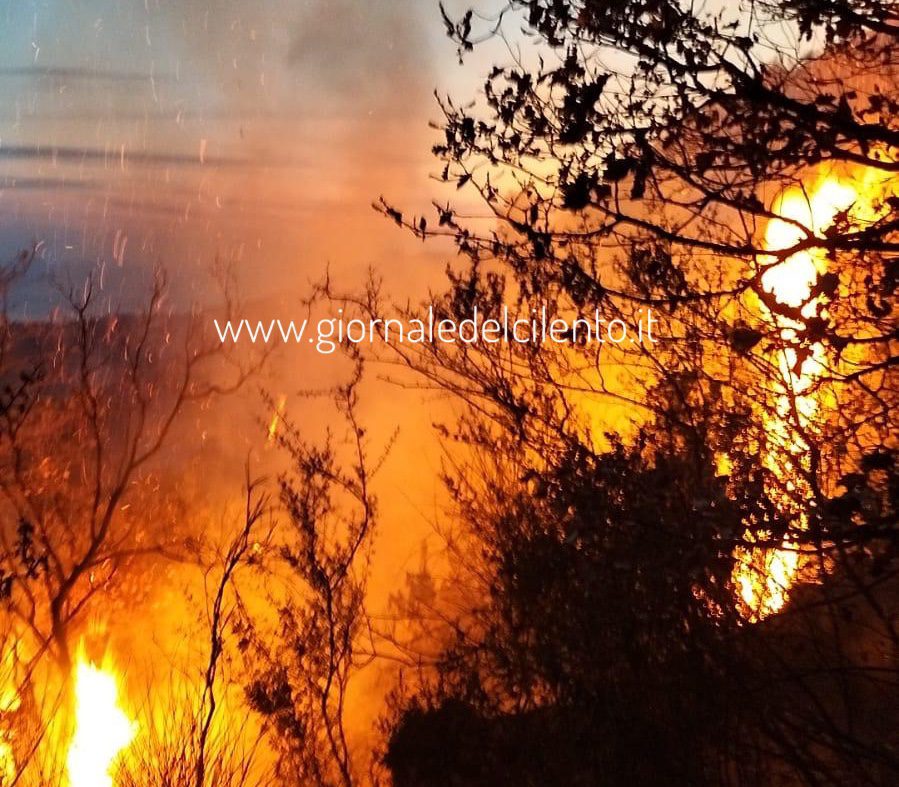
[(102, 728), (764, 576), (9, 703)]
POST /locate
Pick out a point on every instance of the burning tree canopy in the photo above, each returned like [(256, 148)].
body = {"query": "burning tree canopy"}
[(82, 516), (733, 167), (664, 563)]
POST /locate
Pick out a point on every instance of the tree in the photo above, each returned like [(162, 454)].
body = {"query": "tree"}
[(302, 671), (653, 154), (89, 405), (117, 385), (192, 741)]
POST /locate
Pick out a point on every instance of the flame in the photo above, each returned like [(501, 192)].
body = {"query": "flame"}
[(276, 418), (764, 577), (102, 728), (7, 754), (10, 702), (791, 281)]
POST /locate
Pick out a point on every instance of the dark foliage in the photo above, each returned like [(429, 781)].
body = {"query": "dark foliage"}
[(632, 157)]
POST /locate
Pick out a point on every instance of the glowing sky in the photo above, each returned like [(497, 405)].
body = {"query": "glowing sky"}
[(137, 132)]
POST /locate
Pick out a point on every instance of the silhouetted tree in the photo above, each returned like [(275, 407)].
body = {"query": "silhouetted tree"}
[(301, 672), (117, 388), (89, 405), (634, 155)]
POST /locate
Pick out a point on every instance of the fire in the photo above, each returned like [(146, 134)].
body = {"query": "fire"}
[(764, 576), (276, 418), (791, 280), (10, 702), (102, 728)]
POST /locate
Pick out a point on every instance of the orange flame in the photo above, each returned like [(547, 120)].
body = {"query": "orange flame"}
[(102, 729), (276, 418), (764, 576), (10, 702)]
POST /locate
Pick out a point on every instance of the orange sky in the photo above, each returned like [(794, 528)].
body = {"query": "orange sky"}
[(133, 133), (171, 132)]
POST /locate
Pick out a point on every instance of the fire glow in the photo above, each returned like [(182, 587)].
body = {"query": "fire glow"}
[(764, 576), (102, 728), (9, 704), (277, 417)]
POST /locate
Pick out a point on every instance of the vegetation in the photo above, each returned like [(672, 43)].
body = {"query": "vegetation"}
[(669, 563), (699, 162)]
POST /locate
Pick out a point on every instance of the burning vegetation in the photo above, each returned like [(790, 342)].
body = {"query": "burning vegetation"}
[(764, 576), (665, 564), (102, 729)]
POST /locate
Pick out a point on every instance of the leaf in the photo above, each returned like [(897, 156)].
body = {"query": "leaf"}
[(743, 338), (617, 168), (826, 285)]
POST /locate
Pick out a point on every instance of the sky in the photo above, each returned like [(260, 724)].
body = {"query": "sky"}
[(182, 133), (174, 133), (136, 133)]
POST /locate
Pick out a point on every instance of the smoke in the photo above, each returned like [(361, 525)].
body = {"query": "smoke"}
[(252, 130), (137, 133), (372, 61), (308, 57)]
